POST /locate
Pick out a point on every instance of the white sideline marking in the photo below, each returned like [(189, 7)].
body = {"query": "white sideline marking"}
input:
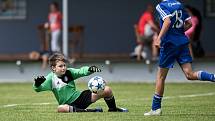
[(140, 99)]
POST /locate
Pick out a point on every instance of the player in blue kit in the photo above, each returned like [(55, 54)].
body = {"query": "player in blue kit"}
[(173, 44)]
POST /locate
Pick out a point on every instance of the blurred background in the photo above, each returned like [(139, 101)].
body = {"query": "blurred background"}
[(100, 32)]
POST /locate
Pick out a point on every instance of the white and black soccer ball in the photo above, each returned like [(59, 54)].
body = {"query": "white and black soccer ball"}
[(96, 84)]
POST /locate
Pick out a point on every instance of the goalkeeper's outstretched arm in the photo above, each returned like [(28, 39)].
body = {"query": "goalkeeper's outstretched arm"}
[(42, 83)]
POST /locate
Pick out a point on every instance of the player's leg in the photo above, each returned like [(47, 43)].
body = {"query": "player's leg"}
[(167, 59), (197, 75), (160, 80), (159, 91), (109, 99), (63, 108), (185, 59), (68, 108), (106, 93)]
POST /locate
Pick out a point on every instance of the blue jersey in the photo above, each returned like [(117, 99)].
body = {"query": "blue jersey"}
[(177, 14)]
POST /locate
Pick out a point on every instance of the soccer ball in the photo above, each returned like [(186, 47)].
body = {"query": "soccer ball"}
[(96, 84)]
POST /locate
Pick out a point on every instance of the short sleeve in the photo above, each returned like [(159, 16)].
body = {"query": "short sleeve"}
[(163, 12)]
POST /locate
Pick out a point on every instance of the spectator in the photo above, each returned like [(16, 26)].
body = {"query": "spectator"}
[(145, 31), (34, 55), (55, 25), (194, 32)]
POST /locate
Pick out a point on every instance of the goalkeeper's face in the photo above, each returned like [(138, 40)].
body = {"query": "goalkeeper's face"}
[(60, 68)]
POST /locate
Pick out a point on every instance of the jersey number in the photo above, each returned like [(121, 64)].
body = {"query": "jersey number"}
[(178, 19)]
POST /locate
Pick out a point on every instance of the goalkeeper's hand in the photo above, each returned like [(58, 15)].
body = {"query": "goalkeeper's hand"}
[(39, 80), (94, 69)]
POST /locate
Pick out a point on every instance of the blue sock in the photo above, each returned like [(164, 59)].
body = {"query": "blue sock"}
[(205, 76), (156, 103)]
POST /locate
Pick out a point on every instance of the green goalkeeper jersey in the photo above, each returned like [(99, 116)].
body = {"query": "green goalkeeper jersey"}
[(64, 89)]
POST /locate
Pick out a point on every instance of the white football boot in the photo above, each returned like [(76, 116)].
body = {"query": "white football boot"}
[(153, 113)]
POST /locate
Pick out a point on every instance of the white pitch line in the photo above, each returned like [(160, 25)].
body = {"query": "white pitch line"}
[(13, 105), (173, 97), (122, 100), (190, 96), (9, 105), (41, 103)]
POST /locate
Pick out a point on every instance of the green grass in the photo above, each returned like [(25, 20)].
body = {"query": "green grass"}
[(134, 96)]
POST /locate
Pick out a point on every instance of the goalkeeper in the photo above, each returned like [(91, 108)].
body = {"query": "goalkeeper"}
[(61, 81)]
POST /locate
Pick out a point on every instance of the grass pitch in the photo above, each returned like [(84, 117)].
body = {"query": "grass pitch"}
[(182, 102)]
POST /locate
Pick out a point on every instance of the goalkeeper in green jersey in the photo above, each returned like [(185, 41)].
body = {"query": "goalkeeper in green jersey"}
[(61, 81)]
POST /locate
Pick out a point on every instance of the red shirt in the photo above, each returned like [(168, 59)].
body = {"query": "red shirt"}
[(55, 21), (147, 16), (191, 30)]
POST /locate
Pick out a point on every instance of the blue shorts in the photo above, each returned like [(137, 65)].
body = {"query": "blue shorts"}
[(169, 53)]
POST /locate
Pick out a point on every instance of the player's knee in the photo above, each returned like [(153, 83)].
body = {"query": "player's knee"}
[(63, 109), (107, 91)]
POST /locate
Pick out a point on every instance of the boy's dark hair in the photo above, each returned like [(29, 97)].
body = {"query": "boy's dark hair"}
[(53, 59)]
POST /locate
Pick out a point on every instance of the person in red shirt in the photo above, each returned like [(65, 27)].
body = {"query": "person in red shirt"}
[(194, 32), (145, 31), (54, 24)]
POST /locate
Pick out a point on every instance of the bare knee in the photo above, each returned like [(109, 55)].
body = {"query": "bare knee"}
[(63, 109), (107, 91)]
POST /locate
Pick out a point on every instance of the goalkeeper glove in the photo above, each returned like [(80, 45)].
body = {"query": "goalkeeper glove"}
[(94, 69), (39, 80)]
